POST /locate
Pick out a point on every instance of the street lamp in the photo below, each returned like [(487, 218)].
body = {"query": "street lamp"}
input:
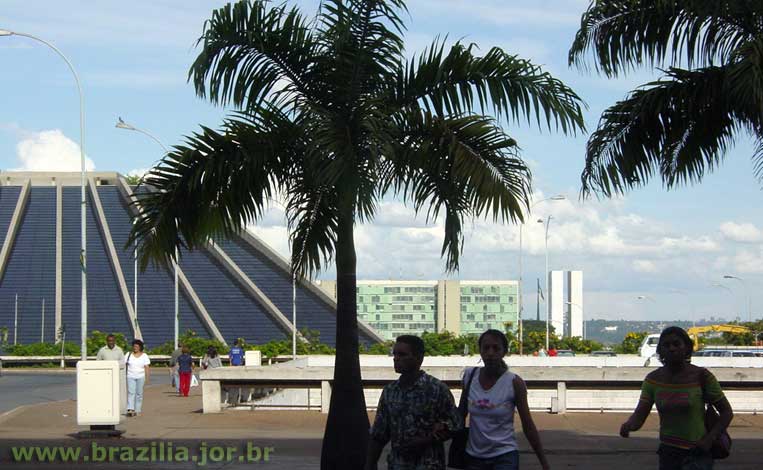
[(83, 201), (545, 281), (123, 125), (520, 298), (747, 294)]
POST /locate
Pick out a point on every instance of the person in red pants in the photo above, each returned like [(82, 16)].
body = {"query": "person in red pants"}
[(185, 370)]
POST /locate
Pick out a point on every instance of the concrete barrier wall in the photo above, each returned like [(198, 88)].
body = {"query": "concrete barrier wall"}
[(530, 361), (742, 401)]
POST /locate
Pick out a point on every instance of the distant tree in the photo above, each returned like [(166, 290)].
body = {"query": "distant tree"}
[(631, 343), (133, 180)]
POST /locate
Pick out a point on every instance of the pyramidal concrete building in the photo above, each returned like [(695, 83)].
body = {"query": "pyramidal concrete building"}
[(237, 288)]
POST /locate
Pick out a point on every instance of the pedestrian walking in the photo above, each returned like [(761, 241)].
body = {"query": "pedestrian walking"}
[(138, 376), (681, 390), (185, 371), (491, 394)]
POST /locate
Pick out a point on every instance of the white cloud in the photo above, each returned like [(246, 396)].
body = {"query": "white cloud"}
[(50, 150), (743, 233), (644, 266)]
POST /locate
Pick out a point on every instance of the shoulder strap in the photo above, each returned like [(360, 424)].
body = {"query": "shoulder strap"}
[(463, 402)]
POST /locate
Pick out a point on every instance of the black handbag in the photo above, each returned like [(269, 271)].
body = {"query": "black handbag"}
[(721, 447), (457, 450)]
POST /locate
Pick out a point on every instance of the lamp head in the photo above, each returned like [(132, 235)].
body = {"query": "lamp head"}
[(726, 276), (540, 221), (5, 32), (558, 197), (123, 125)]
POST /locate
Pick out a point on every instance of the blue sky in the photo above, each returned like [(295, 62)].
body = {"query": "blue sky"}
[(133, 60)]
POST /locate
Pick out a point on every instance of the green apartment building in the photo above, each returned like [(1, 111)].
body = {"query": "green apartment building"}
[(394, 308)]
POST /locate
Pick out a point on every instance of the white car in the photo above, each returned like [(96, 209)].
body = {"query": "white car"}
[(649, 346)]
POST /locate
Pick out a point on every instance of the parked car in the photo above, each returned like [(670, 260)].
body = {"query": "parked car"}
[(565, 352), (604, 353)]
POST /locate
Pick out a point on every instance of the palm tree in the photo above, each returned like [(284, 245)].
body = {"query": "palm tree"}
[(332, 118), (681, 125)]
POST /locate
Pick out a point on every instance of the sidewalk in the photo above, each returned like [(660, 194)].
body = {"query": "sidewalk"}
[(573, 440)]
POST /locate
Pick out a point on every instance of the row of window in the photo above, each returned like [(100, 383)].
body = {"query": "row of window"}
[(485, 299)]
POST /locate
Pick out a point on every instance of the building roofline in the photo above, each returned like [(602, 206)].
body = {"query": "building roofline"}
[(50, 178)]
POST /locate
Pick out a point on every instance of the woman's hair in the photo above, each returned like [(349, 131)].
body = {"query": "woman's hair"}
[(495, 334), (186, 350), (211, 351), (682, 335), (139, 343)]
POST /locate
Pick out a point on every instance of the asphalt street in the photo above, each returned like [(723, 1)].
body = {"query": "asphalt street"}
[(26, 387)]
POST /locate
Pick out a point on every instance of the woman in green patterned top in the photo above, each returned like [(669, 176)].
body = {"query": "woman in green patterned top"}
[(680, 391)]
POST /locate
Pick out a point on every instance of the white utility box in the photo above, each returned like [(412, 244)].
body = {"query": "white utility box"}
[(253, 358), (98, 393)]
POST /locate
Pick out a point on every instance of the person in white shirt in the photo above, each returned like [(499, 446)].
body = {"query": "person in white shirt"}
[(112, 352), (137, 376), (493, 395)]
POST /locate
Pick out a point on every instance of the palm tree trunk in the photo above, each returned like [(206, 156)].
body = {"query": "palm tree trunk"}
[(345, 440)]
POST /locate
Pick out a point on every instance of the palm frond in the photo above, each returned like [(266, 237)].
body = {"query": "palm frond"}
[(251, 51), (679, 127), (460, 82), (463, 166), (363, 44), (628, 33), (215, 184), (757, 158)]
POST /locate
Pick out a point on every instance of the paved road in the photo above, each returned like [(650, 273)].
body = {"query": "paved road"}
[(33, 387)]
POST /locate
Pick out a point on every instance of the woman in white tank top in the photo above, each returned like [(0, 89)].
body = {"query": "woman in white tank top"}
[(493, 395)]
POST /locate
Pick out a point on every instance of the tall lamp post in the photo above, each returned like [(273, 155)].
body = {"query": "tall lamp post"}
[(545, 281), (520, 297), (123, 125), (83, 201), (747, 294)]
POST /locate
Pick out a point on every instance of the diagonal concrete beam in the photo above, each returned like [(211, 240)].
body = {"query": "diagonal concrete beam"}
[(13, 227), (250, 287), (185, 284), (204, 315), (285, 266), (113, 257)]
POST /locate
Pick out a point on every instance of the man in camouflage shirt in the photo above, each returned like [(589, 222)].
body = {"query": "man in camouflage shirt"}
[(416, 413)]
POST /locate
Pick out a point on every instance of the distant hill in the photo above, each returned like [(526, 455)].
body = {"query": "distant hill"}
[(613, 331)]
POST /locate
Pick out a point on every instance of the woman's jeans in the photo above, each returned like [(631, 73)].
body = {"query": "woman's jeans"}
[(135, 393), (673, 458), (507, 461)]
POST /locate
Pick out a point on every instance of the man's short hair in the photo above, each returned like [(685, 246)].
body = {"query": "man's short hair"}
[(416, 343), (110, 335)]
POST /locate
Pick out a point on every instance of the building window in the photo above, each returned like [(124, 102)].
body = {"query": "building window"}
[(463, 307), (476, 290), (511, 299), (484, 308), (398, 325), (417, 308), (378, 317), (406, 316), (375, 299), (402, 298), (360, 299), (488, 299), (391, 290), (490, 317), (379, 307), (465, 299)]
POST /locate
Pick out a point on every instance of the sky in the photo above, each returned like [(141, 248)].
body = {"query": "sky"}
[(652, 254)]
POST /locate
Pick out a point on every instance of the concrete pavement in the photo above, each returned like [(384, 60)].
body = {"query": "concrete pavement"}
[(573, 440)]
